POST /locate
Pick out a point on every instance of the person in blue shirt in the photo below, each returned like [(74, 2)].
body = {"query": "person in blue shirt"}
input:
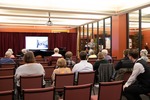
[(7, 59)]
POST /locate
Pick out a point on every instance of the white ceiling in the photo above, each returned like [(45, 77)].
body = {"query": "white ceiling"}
[(63, 13)]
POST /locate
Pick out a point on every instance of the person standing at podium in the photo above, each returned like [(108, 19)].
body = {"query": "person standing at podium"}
[(91, 44)]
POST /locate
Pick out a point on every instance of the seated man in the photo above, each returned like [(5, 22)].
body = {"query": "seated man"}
[(83, 65), (7, 59), (56, 52), (139, 81), (123, 66)]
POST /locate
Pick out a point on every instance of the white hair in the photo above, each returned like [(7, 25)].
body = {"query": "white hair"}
[(8, 53), (143, 52), (56, 50), (10, 50), (105, 51), (24, 51)]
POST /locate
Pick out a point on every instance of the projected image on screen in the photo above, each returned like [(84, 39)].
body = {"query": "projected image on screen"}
[(35, 42)]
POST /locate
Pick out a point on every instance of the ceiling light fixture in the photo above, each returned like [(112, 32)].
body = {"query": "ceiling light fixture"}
[(49, 22)]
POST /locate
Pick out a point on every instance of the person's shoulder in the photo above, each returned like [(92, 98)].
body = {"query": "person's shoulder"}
[(21, 67)]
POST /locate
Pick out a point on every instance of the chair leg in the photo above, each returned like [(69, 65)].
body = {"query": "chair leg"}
[(93, 90)]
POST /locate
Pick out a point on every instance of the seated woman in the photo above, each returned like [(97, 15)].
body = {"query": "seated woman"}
[(106, 56), (10, 50), (62, 68), (69, 61), (143, 54), (92, 54), (101, 59), (29, 68), (7, 59)]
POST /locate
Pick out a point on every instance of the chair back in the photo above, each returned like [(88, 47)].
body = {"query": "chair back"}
[(44, 63), (78, 92), (7, 71), (39, 58), (126, 76), (13, 65), (86, 77), (92, 60), (115, 61), (52, 60), (7, 95), (62, 80), (114, 58), (75, 59), (28, 82), (48, 72), (6, 83), (39, 94), (110, 90), (105, 72)]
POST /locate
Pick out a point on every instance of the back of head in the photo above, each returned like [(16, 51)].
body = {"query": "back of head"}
[(8, 54), (91, 52), (143, 52), (100, 55), (83, 55), (105, 51), (126, 52), (24, 51), (10, 50), (61, 62), (29, 57), (134, 53), (68, 54), (56, 50)]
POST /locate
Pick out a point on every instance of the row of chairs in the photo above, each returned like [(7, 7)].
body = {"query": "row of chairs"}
[(61, 80), (106, 91)]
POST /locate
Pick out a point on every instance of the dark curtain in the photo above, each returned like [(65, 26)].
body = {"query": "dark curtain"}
[(16, 41)]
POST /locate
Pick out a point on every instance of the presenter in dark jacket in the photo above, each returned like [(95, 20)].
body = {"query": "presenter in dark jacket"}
[(139, 81)]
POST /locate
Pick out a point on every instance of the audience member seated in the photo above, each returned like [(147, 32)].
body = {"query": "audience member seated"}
[(7, 59), (69, 61), (100, 60), (29, 68), (56, 53), (123, 66), (106, 56), (143, 54), (139, 81), (83, 65), (23, 52), (10, 50), (92, 54), (62, 68)]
